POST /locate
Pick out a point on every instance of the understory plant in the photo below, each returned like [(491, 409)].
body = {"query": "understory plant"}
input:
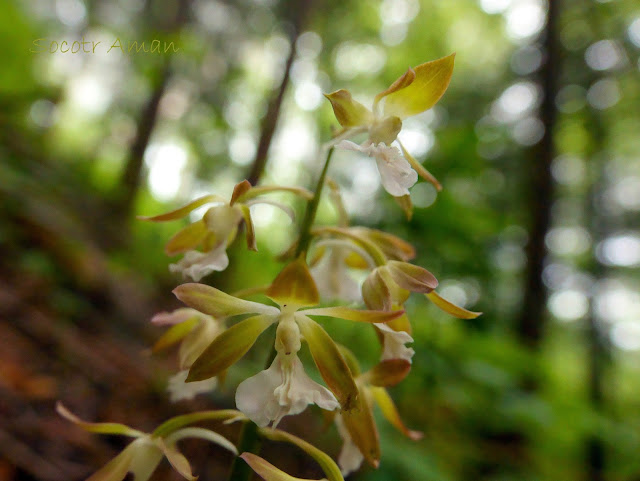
[(216, 329)]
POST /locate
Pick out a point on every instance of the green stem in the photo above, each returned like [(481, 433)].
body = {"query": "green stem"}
[(249, 438), (312, 209)]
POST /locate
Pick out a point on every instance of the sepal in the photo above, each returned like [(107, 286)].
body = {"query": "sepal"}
[(349, 112), (450, 307)]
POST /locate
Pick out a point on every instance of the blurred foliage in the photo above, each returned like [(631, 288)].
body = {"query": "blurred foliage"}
[(73, 251)]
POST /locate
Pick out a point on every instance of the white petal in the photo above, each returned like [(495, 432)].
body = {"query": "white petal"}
[(394, 343), (179, 389), (197, 264), (350, 457), (348, 145), (396, 173), (281, 390), (255, 398)]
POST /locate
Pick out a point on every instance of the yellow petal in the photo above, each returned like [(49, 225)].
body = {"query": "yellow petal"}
[(349, 112), (330, 363), (183, 211), (362, 429), (186, 239), (266, 470), (102, 428), (392, 246), (177, 460), (330, 468), (387, 373), (228, 348), (451, 308), (404, 81), (117, 468), (218, 304), (294, 286), (175, 334), (358, 315), (430, 83), (390, 412), (178, 422)]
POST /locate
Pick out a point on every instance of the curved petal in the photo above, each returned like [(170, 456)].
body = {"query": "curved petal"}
[(266, 470), (410, 277), (350, 458), (387, 373), (394, 344), (183, 211), (348, 112), (283, 207), (451, 308), (102, 428), (359, 315), (219, 304), (201, 433), (430, 82), (362, 429), (186, 239), (196, 265), (396, 173), (330, 363), (294, 286), (390, 412), (177, 460), (173, 424), (117, 468), (228, 348)]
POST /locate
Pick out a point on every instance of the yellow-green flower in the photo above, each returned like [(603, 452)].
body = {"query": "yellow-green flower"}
[(414, 92)]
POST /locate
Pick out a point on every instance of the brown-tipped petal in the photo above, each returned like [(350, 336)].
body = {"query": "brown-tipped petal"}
[(430, 83), (218, 304), (183, 211), (177, 460), (411, 277), (390, 412), (451, 308), (330, 468), (388, 373), (228, 348), (239, 190), (362, 429), (349, 112), (419, 168), (249, 230), (186, 239), (406, 205), (102, 428), (392, 246), (266, 470), (332, 366), (376, 293), (175, 334), (403, 81), (358, 315), (294, 286)]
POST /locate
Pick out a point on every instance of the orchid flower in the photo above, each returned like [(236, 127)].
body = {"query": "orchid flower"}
[(144, 454), (217, 228), (284, 388), (195, 331), (416, 91)]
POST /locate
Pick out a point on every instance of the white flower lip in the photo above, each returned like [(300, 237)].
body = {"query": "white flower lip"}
[(196, 264), (396, 173), (394, 343), (283, 389)]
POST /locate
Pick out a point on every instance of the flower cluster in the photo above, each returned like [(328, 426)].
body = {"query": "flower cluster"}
[(217, 329)]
